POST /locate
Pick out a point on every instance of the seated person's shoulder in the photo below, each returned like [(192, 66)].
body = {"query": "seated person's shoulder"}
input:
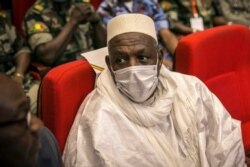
[(81, 1), (110, 3), (96, 102), (37, 8), (49, 154), (5, 17), (33, 21), (185, 80)]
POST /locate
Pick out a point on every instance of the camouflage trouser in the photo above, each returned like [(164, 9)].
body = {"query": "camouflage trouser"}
[(32, 92)]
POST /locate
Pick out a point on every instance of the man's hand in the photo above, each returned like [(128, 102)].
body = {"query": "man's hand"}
[(18, 78), (83, 12), (94, 17)]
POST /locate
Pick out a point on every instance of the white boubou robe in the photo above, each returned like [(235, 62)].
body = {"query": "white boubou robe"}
[(182, 125)]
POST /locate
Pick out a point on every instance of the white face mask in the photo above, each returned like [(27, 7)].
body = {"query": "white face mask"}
[(137, 82)]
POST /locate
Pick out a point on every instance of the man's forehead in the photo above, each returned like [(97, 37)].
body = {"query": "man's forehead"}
[(131, 38)]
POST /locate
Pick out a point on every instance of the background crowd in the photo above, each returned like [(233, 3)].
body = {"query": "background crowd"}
[(54, 32)]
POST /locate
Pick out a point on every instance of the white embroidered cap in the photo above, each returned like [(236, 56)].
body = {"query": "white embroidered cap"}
[(131, 22)]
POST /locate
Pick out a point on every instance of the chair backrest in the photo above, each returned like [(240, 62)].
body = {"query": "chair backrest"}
[(19, 8), (61, 93), (220, 57)]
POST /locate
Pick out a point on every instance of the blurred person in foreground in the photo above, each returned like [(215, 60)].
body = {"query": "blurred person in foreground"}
[(58, 31), (15, 59), (24, 141), (141, 114)]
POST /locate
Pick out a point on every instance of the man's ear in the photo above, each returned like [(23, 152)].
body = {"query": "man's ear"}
[(107, 60), (160, 58)]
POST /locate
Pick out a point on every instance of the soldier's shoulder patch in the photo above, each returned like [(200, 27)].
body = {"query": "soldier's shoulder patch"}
[(82, 1), (38, 7), (166, 5), (39, 27), (3, 14)]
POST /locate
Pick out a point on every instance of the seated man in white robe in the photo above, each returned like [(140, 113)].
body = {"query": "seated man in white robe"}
[(142, 115)]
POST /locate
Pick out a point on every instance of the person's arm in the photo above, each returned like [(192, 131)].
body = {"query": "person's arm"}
[(49, 154), (239, 18), (171, 11), (180, 28), (162, 26), (100, 32), (21, 56), (22, 61), (223, 139), (49, 52), (106, 11), (218, 18), (169, 40)]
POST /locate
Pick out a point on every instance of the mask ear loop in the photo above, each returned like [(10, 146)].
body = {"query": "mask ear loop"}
[(157, 58), (111, 65), (112, 72), (28, 118)]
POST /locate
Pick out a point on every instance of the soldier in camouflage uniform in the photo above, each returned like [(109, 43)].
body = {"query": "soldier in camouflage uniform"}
[(15, 59), (59, 30), (180, 12), (236, 11)]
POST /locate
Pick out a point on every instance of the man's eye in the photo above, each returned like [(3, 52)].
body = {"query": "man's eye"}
[(143, 58), (120, 60)]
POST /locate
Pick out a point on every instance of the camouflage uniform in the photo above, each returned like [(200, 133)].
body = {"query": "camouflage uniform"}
[(12, 45), (181, 10), (111, 8), (236, 11), (43, 22)]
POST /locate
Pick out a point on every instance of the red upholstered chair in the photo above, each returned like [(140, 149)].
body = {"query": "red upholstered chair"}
[(61, 93), (220, 57), (19, 8), (95, 3)]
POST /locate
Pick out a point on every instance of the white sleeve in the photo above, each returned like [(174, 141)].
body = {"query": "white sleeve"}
[(222, 134)]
